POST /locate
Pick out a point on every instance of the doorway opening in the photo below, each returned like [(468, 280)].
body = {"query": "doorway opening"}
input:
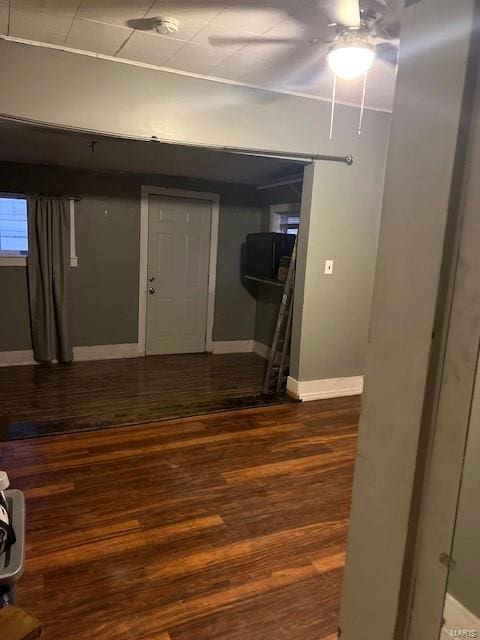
[(165, 323)]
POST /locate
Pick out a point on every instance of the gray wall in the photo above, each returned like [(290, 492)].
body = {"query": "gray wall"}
[(268, 304), (464, 583), (416, 201), (132, 101), (105, 284), (332, 312), (127, 100), (235, 306)]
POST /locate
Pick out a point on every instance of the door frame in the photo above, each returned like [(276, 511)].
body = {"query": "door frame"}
[(214, 198)]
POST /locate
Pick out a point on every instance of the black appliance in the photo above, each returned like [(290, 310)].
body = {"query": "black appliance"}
[(263, 252)]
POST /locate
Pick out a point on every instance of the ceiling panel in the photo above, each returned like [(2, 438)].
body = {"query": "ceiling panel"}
[(105, 26), (44, 27), (270, 52), (188, 28), (114, 11), (59, 7), (289, 28), (216, 31), (192, 9), (261, 74), (95, 36), (197, 59), (250, 18), (150, 48), (238, 67), (305, 21), (3, 17)]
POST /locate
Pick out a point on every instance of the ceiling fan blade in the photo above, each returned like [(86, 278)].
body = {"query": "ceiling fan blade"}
[(218, 41), (387, 52), (343, 12)]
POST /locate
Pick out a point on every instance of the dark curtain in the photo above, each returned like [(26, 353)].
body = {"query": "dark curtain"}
[(49, 278)]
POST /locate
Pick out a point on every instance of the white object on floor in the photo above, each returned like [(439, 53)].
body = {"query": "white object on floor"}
[(5, 528), (4, 481)]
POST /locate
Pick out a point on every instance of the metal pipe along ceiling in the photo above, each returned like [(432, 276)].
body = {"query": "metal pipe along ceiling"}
[(266, 153)]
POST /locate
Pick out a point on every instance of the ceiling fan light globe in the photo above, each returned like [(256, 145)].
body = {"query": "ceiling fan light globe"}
[(350, 61)]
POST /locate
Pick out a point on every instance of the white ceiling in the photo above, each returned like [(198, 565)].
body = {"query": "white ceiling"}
[(117, 28), (37, 145)]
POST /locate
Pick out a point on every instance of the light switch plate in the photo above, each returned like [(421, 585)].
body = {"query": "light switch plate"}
[(328, 267)]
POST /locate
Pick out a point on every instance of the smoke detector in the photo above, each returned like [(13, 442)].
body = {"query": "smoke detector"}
[(167, 26)]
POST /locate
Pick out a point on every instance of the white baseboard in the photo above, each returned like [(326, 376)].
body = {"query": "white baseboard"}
[(95, 352), (458, 619), (10, 358), (232, 346), (261, 349), (321, 389), (106, 352)]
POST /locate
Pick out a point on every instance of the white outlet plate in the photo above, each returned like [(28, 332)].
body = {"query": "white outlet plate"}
[(328, 267)]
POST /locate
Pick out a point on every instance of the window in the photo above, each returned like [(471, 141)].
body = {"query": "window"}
[(285, 218), (14, 232), (13, 227), (289, 224)]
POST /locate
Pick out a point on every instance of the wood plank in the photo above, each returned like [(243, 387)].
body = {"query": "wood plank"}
[(111, 455), (48, 490), (270, 544), (226, 527), (85, 395), (330, 562), (118, 544), (285, 467)]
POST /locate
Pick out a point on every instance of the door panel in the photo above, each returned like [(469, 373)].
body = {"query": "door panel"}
[(178, 261)]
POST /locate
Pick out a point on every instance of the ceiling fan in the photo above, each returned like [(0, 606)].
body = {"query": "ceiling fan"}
[(359, 34)]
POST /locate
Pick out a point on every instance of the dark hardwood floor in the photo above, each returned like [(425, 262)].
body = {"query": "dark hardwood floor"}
[(44, 400), (230, 526)]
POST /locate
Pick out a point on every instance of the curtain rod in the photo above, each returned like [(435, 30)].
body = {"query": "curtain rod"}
[(280, 155), (42, 195), (260, 153), (266, 153)]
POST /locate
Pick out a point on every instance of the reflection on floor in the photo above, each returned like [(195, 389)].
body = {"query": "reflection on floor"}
[(44, 400), (230, 526)]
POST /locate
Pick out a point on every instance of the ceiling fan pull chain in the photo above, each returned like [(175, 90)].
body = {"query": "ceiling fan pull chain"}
[(362, 108), (332, 115)]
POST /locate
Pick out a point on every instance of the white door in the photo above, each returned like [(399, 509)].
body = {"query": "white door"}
[(178, 264)]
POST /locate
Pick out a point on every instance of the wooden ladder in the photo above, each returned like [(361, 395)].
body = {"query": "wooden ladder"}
[(275, 380)]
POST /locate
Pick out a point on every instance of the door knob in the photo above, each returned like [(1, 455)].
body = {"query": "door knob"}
[(151, 290)]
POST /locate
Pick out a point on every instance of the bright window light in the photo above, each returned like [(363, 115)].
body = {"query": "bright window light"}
[(13, 226), (351, 61)]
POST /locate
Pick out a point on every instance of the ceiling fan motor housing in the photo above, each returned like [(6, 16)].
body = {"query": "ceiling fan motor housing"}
[(353, 37)]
